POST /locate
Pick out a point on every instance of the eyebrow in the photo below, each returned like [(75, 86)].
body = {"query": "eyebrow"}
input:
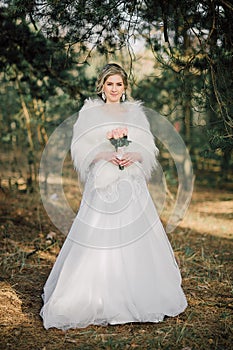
[(111, 82)]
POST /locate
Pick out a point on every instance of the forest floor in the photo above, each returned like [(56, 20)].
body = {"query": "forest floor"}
[(203, 247)]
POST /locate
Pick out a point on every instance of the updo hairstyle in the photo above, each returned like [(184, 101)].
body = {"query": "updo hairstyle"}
[(107, 71)]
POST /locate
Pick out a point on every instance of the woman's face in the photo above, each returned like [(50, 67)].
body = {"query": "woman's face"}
[(113, 88)]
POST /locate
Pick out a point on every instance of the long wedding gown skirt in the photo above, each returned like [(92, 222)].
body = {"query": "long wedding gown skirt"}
[(116, 265)]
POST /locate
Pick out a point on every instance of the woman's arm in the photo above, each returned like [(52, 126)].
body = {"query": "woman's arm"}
[(108, 157), (129, 158)]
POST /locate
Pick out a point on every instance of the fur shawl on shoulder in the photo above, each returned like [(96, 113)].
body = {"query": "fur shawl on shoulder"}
[(89, 138)]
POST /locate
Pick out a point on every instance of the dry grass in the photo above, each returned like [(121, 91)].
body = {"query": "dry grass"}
[(203, 248)]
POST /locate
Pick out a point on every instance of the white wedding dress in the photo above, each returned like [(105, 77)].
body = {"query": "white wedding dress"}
[(116, 265)]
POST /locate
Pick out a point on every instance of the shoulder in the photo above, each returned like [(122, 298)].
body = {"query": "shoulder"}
[(135, 107), (138, 113), (137, 104), (87, 112), (90, 103)]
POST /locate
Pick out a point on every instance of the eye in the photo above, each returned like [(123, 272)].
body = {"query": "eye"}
[(109, 83), (119, 84)]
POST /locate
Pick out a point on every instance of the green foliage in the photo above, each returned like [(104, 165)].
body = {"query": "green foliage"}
[(218, 141), (46, 49)]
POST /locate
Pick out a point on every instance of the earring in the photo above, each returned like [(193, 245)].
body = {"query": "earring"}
[(103, 96), (123, 97)]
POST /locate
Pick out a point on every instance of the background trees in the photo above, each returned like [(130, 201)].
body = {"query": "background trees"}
[(51, 50)]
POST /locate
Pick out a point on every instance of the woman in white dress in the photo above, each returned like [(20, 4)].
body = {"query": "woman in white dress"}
[(116, 265)]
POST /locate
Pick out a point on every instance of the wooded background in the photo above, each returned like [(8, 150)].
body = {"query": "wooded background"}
[(178, 55)]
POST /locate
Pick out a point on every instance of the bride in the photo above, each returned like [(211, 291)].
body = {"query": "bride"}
[(116, 265)]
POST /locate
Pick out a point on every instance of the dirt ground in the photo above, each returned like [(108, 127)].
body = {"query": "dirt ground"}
[(203, 248)]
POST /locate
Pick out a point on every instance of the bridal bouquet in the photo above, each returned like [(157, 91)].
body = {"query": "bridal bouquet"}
[(119, 139)]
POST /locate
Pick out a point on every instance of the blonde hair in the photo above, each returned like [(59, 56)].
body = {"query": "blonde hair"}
[(107, 71)]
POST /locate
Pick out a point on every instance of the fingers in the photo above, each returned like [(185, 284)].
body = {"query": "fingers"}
[(114, 160), (126, 162), (127, 159)]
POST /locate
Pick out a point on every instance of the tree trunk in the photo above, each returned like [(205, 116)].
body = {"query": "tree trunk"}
[(31, 153)]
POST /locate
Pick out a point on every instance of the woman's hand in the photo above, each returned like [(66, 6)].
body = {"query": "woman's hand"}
[(129, 158), (108, 156)]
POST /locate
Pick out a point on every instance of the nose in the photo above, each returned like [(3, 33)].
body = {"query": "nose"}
[(114, 88)]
